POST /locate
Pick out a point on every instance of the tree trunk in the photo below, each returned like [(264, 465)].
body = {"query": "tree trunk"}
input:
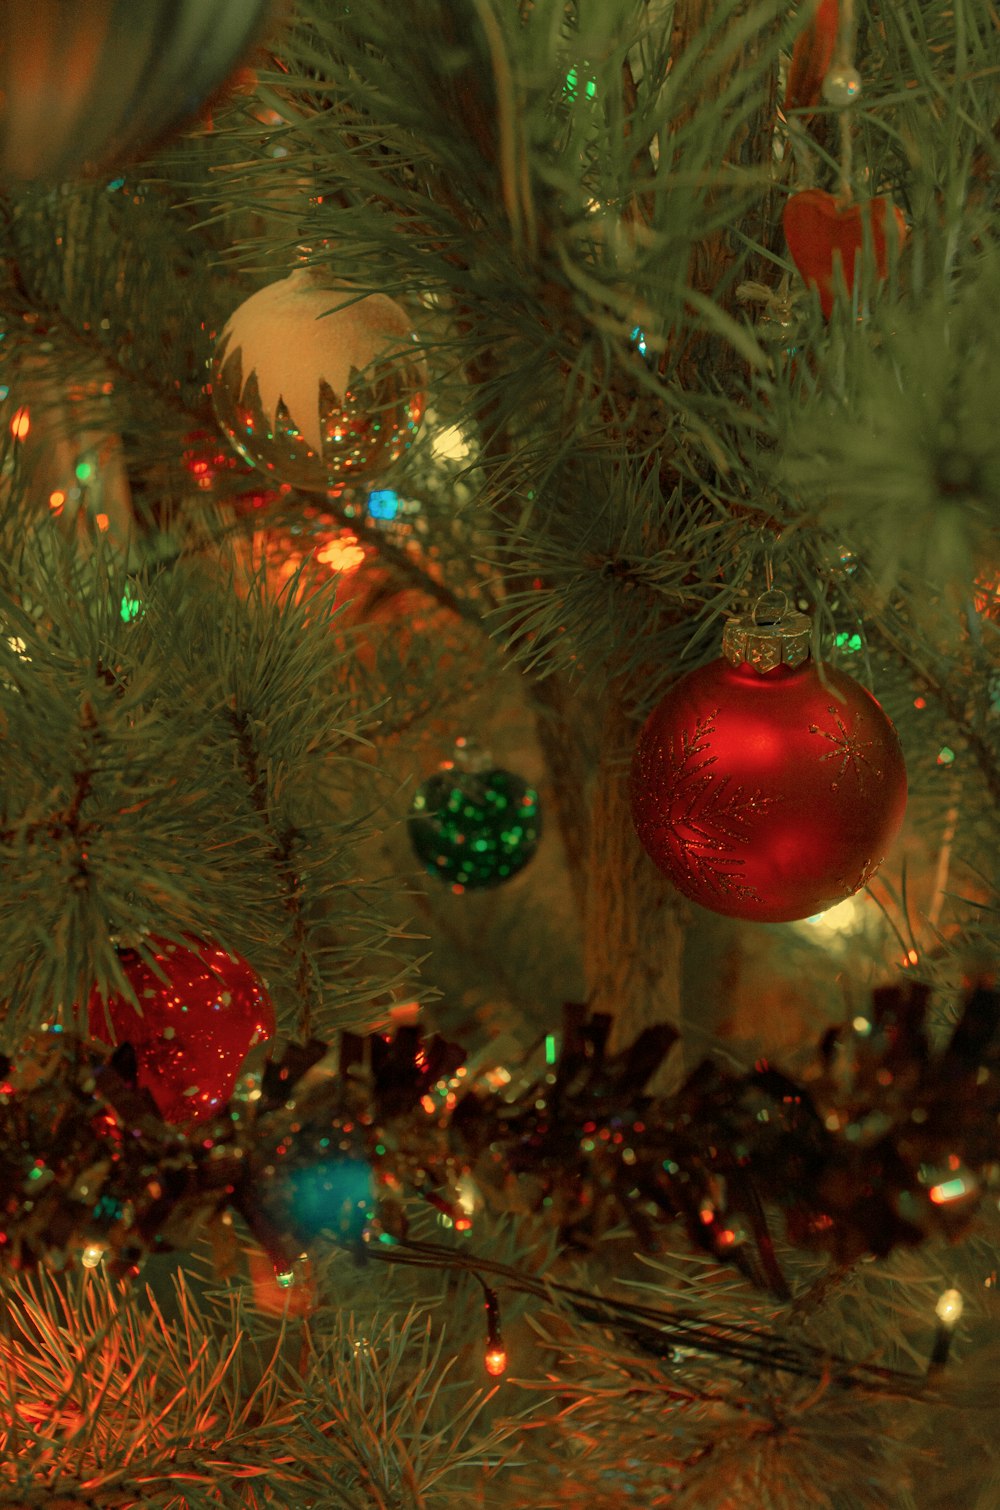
[(634, 920)]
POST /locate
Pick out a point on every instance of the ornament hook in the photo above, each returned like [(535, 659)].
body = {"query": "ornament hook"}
[(772, 605)]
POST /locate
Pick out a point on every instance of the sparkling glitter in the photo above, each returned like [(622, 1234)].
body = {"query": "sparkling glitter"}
[(475, 829)]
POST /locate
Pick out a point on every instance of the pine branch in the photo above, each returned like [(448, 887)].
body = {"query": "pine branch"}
[(955, 706), (664, 1333), (402, 563), (282, 846), (67, 823)]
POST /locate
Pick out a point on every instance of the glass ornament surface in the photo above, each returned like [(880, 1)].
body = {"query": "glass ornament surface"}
[(474, 829), (333, 1196), (87, 85), (842, 85), (200, 1012), (316, 395), (766, 792), (304, 552)]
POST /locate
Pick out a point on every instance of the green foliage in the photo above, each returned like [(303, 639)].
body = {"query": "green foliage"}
[(923, 394), (579, 204), (184, 1403), (177, 772)]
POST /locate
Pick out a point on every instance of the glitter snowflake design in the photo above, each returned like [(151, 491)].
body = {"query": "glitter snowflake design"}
[(707, 817), (868, 869), (848, 749)]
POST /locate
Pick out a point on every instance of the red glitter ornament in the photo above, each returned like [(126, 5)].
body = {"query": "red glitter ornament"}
[(762, 791), (202, 1010)]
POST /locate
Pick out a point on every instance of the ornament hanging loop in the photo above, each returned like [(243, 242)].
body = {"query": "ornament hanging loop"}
[(841, 87), (771, 606), (469, 756), (843, 83)]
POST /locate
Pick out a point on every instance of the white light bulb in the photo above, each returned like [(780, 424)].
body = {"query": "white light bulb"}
[(451, 444), (845, 918), (949, 1307)]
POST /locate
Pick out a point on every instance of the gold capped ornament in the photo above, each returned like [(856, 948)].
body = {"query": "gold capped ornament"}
[(765, 786)]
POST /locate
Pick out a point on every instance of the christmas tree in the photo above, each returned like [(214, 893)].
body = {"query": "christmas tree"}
[(488, 506)]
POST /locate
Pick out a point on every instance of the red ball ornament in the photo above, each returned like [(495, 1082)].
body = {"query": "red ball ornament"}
[(202, 1010), (763, 791)]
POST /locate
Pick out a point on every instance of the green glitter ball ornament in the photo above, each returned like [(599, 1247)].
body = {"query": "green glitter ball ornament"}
[(473, 824)]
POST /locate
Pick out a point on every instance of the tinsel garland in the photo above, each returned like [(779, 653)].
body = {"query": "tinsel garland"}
[(883, 1143)]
